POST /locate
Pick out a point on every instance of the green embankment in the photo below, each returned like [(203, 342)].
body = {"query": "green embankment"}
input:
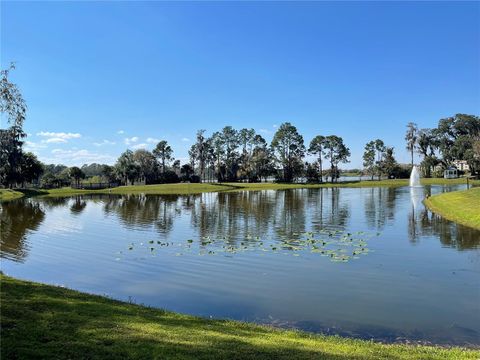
[(459, 206), (46, 322), (8, 194), (185, 188)]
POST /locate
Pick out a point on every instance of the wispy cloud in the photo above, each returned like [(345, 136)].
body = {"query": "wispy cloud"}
[(77, 157), (152, 140), (59, 135), (120, 132), (185, 139), (32, 146), (54, 141), (265, 131), (104, 142), (129, 141), (139, 146)]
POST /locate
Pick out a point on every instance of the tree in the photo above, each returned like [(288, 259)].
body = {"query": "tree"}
[(127, 168), (187, 171), (200, 151), (147, 165), (427, 143), (369, 158), (109, 173), (164, 152), (216, 154), (246, 139), (316, 148), (30, 168), (289, 149), (230, 141), (261, 162), (389, 165), (76, 174), (14, 107), (411, 138), (336, 152)]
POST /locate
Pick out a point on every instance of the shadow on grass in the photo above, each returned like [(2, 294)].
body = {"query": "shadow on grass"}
[(42, 322), (32, 192)]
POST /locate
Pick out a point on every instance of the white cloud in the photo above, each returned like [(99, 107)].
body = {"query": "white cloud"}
[(120, 132), (77, 157), (59, 135), (152, 140), (139, 146), (265, 131), (104, 142), (129, 141), (31, 146), (274, 126), (185, 139), (54, 140)]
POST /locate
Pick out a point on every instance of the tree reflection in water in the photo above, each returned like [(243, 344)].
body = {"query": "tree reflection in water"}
[(17, 218), (238, 218)]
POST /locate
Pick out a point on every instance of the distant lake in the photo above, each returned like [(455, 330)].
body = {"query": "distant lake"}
[(370, 263)]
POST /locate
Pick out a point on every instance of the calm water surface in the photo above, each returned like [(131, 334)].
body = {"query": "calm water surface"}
[(368, 263)]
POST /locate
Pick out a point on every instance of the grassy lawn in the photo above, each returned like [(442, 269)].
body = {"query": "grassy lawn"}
[(186, 188), (460, 206), (46, 322), (8, 194)]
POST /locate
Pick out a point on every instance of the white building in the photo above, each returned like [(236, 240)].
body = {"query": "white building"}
[(461, 165)]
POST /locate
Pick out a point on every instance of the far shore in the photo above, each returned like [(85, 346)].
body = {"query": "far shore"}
[(197, 188)]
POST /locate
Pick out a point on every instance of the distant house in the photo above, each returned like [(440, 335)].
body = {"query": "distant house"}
[(461, 165), (450, 173)]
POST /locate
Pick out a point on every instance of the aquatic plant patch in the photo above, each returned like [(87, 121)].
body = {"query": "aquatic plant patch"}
[(336, 245)]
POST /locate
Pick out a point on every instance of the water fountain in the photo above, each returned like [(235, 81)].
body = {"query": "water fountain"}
[(415, 177)]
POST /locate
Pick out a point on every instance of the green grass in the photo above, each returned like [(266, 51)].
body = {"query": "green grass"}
[(8, 194), (46, 322), (460, 206)]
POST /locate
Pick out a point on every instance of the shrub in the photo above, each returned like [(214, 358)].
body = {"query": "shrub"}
[(168, 177)]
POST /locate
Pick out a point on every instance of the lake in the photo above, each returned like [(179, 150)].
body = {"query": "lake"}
[(371, 263)]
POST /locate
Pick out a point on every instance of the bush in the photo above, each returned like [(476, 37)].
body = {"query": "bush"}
[(168, 177), (195, 179)]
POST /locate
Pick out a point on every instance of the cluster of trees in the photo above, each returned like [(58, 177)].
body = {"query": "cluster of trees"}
[(455, 138), (236, 155), (379, 160), (16, 166)]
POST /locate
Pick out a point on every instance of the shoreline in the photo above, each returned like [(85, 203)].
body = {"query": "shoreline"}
[(41, 320), (197, 188), (461, 207)]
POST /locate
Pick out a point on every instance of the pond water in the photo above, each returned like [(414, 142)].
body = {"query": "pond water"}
[(369, 263)]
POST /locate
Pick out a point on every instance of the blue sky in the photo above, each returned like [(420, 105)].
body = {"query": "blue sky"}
[(99, 77)]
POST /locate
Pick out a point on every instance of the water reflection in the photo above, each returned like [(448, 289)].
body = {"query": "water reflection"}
[(17, 218), (238, 216), (379, 206), (103, 244)]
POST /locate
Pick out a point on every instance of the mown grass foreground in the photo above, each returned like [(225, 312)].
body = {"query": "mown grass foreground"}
[(46, 322), (187, 188), (460, 206)]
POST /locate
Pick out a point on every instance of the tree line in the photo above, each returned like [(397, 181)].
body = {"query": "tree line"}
[(455, 138), (230, 155)]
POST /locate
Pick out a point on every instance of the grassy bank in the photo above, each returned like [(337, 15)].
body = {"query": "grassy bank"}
[(41, 321), (460, 206), (185, 188), (8, 194)]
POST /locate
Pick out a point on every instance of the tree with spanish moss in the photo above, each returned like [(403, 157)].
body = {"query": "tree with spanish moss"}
[(411, 137)]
